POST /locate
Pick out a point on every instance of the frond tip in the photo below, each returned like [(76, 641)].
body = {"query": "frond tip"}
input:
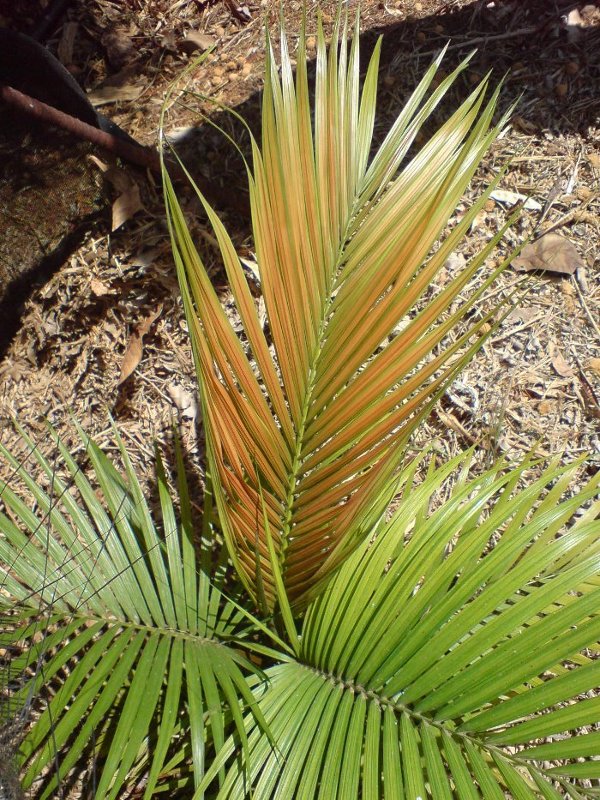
[(305, 428)]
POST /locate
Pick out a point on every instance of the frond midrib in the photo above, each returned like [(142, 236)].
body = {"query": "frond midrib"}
[(298, 460), (111, 621), (446, 727)]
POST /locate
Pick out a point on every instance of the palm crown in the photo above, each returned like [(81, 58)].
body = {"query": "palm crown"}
[(424, 653), (310, 429)]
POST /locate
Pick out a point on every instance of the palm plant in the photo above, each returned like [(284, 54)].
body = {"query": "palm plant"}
[(305, 643), (122, 618), (311, 429)]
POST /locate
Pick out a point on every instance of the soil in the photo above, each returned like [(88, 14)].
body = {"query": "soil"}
[(537, 380)]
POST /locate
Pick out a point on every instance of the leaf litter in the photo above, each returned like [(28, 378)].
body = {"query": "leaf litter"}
[(550, 253), (135, 346), (67, 356)]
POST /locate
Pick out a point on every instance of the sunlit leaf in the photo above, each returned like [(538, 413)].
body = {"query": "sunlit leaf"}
[(306, 429), (510, 607), (105, 610)]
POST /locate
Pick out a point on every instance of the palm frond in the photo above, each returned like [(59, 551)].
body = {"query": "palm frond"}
[(310, 420), (442, 652), (135, 646)]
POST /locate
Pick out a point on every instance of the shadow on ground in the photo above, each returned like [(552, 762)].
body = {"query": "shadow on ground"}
[(551, 70)]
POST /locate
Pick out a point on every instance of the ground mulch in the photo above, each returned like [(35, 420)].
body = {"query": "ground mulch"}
[(105, 337), (537, 380)]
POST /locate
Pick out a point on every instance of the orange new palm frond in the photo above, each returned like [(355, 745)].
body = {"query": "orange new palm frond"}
[(305, 425)]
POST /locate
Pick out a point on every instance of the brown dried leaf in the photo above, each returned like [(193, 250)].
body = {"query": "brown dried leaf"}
[(118, 87), (560, 366), (594, 365), (116, 176), (552, 253), (126, 205), (594, 159), (128, 202), (135, 348), (132, 356), (590, 399), (146, 323), (65, 47), (98, 288), (195, 41)]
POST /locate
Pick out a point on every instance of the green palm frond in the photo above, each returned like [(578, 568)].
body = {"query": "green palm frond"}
[(138, 648), (311, 424), (442, 652)]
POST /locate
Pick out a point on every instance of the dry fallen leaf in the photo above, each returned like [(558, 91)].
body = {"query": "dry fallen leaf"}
[(134, 349), (116, 176), (131, 357), (98, 288), (126, 205), (128, 202), (546, 407), (594, 365), (147, 322), (195, 41), (560, 366), (589, 396), (552, 253), (594, 159), (184, 400)]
